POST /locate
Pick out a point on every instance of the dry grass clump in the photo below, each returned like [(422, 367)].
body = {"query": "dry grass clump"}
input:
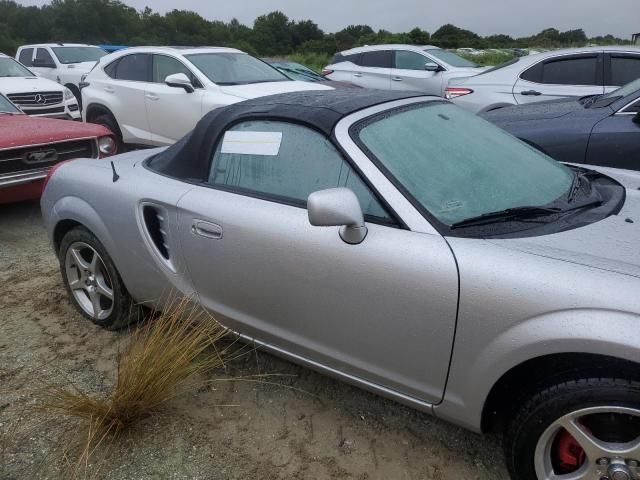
[(159, 361)]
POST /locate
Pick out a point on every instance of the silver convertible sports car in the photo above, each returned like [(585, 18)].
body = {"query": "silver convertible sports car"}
[(394, 241)]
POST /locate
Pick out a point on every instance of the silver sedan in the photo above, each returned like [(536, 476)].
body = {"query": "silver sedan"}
[(394, 241)]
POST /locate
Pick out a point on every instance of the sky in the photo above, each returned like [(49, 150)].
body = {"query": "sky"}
[(485, 17)]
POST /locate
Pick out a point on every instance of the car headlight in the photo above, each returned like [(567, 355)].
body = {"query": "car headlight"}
[(106, 145), (68, 94)]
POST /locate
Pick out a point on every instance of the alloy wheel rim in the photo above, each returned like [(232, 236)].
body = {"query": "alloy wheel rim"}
[(601, 459), (89, 280)]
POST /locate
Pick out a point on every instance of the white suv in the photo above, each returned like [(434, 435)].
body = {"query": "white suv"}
[(425, 69), (65, 63), (155, 95), (35, 95)]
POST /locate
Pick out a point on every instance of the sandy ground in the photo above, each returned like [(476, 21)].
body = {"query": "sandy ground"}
[(311, 427)]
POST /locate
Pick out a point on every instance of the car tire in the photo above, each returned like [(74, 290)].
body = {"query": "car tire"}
[(107, 120), (76, 93), (607, 409), (88, 272)]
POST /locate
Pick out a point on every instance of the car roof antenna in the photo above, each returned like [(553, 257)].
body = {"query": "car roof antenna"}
[(116, 177)]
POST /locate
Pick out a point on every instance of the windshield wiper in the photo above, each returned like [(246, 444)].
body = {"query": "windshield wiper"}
[(506, 215)]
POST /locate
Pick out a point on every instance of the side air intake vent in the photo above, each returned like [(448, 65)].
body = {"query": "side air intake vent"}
[(156, 223)]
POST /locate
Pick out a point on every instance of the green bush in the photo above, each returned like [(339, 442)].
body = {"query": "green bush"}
[(315, 61)]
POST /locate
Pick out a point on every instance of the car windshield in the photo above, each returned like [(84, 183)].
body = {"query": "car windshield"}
[(450, 58), (458, 166), (10, 68), (235, 68), (67, 55), (295, 71), (625, 90), (7, 106)]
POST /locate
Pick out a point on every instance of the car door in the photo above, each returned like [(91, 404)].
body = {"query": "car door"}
[(44, 65), (562, 76), (171, 112), (620, 69), (408, 73), (615, 140), (382, 311), (125, 92), (374, 70)]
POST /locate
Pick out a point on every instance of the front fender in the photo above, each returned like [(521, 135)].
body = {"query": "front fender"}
[(600, 332), (78, 210)]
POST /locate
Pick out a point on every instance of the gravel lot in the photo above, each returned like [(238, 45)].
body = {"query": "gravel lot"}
[(310, 427)]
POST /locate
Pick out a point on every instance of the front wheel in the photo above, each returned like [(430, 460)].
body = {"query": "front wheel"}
[(93, 283), (587, 429)]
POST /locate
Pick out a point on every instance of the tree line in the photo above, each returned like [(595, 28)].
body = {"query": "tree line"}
[(113, 22)]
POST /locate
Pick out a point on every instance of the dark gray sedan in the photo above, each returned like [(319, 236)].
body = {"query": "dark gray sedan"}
[(601, 130)]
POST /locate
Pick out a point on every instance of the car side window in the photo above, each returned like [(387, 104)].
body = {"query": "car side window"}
[(406, 60), (566, 70), (26, 57), (287, 162), (624, 69), (376, 59), (133, 67), (163, 66), (43, 57)]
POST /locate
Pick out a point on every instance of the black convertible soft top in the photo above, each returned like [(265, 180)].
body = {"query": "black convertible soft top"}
[(189, 159)]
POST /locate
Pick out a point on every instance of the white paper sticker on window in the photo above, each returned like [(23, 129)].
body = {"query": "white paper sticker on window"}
[(252, 143)]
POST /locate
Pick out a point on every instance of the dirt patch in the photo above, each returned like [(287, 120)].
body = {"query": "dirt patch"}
[(310, 427)]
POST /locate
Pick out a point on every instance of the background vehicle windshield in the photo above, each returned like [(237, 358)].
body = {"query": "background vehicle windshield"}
[(10, 68), (7, 106), (78, 54), (625, 90), (457, 165), (450, 58), (235, 68)]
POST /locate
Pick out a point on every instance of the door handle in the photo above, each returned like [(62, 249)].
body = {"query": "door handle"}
[(206, 229), (151, 96), (109, 90), (531, 93), (396, 79), (357, 75)]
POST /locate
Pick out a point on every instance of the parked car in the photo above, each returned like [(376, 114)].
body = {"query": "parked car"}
[(546, 76), (597, 130), (34, 95), (358, 233), (30, 146), (297, 71), (64, 63), (153, 96), (425, 69), (112, 48)]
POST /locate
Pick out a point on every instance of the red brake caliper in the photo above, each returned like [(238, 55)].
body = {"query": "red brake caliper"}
[(570, 453)]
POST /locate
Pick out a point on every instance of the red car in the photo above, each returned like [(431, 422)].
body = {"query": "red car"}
[(30, 146)]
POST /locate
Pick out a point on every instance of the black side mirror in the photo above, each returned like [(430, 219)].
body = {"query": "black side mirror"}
[(636, 118)]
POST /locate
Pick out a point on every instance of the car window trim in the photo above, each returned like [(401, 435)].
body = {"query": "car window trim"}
[(397, 222), (599, 55), (632, 103), (153, 55)]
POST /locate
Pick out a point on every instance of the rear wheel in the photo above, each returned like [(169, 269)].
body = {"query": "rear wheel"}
[(587, 429), (93, 283)]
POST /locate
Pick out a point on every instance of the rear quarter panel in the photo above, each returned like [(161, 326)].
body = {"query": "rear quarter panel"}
[(84, 191)]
